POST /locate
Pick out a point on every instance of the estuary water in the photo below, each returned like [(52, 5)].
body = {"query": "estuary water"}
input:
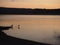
[(39, 28)]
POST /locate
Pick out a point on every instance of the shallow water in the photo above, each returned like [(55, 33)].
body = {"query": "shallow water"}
[(38, 28)]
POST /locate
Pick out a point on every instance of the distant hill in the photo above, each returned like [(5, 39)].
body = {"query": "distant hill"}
[(28, 11)]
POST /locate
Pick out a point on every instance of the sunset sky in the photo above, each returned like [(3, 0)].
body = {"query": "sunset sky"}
[(30, 3)]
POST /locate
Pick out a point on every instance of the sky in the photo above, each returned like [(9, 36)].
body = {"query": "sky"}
[(30, 3)]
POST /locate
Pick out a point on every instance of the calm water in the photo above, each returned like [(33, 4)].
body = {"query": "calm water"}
[(38, 28)]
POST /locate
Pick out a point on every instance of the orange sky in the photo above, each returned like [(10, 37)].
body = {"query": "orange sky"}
[(31, 3)]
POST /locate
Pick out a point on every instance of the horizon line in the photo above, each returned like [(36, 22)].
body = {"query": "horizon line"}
[(28, 8)]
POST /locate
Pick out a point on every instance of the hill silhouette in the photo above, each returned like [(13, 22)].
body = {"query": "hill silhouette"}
[(28, 11)]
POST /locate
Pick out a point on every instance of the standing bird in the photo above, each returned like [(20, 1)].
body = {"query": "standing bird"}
[(18, 26)]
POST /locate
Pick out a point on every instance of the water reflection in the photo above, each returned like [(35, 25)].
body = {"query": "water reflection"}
[(33, 27)]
